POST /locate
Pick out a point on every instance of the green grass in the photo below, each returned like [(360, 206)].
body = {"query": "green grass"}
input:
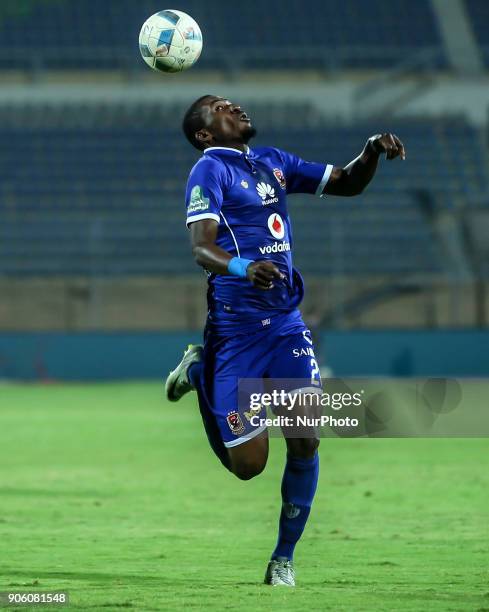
[(110, 494)]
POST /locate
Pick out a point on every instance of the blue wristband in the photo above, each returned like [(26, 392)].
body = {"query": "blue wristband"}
[(237, 266)]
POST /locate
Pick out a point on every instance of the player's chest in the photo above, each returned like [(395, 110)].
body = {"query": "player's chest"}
[(255, 191)]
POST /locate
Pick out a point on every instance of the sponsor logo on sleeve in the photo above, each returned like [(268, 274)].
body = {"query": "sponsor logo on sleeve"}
[(198, 202)]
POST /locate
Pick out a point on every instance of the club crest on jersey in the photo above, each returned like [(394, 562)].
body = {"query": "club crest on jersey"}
[(279, 175), (235, 423), (266, 193), (276, 226), (244, 184)]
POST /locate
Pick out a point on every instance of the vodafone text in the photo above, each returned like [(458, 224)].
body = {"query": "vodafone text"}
[(276, 247)]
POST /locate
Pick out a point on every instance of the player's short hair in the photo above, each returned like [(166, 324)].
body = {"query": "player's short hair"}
[(193, 121)]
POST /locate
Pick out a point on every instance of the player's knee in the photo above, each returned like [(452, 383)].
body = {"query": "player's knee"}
[(304, 448), (246, 470)]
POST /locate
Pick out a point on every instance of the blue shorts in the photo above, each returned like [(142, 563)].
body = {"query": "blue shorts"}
[(282, 349)]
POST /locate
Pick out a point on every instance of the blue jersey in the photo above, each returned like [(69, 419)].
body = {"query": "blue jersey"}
[(246, 194)]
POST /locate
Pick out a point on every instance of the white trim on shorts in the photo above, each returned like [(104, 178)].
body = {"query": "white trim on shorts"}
[(245, 438)]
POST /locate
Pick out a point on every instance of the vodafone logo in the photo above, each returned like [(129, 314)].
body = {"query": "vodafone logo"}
[(276, 226)]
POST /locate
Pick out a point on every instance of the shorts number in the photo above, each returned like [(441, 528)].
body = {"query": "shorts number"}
[(315, 372)]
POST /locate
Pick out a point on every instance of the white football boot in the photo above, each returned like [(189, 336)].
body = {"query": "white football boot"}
[(177, 384), (280, 572)]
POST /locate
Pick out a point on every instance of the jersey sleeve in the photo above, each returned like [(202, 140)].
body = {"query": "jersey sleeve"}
[(304, 176), (204, 193)]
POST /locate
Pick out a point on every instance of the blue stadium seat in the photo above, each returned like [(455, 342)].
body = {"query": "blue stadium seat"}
[(479, 14), (61, 34), (86, 200)]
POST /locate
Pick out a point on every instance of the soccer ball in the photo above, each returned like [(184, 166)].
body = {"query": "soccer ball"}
[(170, 41)]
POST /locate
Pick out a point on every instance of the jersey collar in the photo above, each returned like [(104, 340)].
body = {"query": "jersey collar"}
[(228, 150)]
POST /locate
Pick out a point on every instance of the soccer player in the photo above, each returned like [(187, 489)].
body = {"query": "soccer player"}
[(241, 235)]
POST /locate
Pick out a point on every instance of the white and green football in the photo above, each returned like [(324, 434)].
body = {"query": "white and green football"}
[(170, 41)]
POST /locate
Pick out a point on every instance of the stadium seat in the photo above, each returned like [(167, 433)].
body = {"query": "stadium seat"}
[(92, 200), (348, 34), (478, 11)]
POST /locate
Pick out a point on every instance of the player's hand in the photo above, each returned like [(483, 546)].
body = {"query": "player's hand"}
[(262, 274), (389, 144)]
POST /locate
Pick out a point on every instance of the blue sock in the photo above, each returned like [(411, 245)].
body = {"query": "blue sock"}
[(195, 373), (298, 488)]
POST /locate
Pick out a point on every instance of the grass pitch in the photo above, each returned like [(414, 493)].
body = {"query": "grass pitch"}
[(112, 495)]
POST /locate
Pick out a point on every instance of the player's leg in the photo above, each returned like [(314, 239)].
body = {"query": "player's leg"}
[(301, 471), (214, 373), (189, 376), (250, 458), (299, 483), (178, 382), (245, 460), (246, 456), (196, 376)]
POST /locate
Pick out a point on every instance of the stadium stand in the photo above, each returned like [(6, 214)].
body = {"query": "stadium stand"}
[(99, 192), (328, 35), (479, 15)]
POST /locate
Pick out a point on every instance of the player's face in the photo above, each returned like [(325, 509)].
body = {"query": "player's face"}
[(225, 124)]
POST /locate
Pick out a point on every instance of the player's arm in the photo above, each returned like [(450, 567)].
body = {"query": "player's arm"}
[(353, 178), (203, 235)]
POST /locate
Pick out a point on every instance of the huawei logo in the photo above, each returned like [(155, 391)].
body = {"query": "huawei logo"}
[(264, 190), (266, 193), (276, 226)]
